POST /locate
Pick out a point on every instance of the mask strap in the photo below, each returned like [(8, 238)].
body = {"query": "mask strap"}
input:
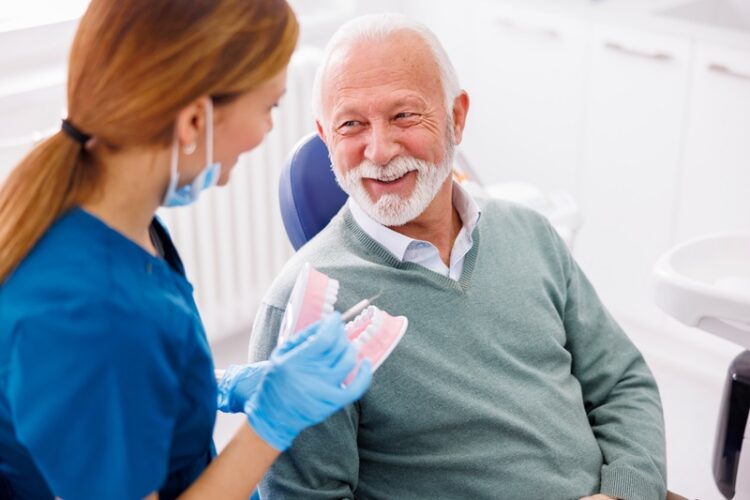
[(209, 132), (175, 156)]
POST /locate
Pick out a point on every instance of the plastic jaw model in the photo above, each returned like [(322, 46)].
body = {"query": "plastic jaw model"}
[(374, 332), (312, 297)]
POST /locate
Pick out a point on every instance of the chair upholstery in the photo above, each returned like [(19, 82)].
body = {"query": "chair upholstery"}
[(308, 193)]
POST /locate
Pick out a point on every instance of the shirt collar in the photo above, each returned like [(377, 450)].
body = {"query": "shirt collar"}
[(397, 243)]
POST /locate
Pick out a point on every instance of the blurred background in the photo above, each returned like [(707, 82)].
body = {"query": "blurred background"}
[(629, 118)]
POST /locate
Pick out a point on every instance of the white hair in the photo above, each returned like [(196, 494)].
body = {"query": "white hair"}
[(378, 27)]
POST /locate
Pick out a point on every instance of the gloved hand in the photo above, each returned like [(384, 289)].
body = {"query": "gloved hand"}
[(239, 384), (302, 383)]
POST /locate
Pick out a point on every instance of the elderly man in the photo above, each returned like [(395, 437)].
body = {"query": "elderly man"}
[(512, 380)]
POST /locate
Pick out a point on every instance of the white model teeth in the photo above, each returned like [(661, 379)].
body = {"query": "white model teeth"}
[(331, 295), (365, 335), (360, 319), (366, 315), (371, 330), (332, 290), (363, 319), (377, 317)]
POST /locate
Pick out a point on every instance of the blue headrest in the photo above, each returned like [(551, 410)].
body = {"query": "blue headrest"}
[(308, 193)]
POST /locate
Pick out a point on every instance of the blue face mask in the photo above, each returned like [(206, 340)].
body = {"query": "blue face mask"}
[(208, 177)]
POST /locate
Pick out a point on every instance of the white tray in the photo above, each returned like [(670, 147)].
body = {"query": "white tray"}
[(705, 283)]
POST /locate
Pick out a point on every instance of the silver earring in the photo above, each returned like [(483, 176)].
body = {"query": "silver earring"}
[(189, 149)]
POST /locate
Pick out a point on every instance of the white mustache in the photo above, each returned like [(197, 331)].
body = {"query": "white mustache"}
[(395, 169)]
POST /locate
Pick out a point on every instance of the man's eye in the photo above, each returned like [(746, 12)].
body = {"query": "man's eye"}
[(404, 114), (349, 124)]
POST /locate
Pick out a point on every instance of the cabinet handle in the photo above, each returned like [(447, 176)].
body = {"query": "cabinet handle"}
[(657, 56), (725, 70), (510, 24)]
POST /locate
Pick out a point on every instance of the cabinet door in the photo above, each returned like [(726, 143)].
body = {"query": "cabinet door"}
[(526, 91), (634, 121), (715, 188), (442, 18)]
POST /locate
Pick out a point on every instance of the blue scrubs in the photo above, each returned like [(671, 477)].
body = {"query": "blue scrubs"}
[(106, 380)]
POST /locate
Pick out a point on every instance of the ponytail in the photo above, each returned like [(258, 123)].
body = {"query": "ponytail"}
[(38, 190)]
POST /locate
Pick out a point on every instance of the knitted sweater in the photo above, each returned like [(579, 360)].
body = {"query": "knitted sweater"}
[(512, 382)]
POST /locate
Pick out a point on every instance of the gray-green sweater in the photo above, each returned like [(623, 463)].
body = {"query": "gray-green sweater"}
[(513, 382)]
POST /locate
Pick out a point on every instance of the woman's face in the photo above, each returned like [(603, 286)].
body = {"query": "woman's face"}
[(242, 124)]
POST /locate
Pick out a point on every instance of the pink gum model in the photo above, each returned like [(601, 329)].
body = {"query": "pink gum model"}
[(374, 332)]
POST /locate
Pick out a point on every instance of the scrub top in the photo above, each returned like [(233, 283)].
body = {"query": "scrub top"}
[(106, 380)]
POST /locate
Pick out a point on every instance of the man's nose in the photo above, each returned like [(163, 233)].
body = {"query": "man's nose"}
[(381, 147)]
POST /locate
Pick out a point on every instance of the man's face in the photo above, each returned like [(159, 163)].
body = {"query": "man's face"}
[(386, 126)]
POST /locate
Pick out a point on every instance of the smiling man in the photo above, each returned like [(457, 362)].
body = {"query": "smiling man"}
[(512, 380)]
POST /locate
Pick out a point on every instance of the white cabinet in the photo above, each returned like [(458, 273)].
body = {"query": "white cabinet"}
[(715, 185), (634, 121), (526, 90), (442, 17)]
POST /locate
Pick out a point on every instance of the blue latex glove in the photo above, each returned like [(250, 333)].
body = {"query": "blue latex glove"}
[(302, 383), (239, 384)]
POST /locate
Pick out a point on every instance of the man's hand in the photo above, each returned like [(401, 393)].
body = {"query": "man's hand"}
[(600, 496)]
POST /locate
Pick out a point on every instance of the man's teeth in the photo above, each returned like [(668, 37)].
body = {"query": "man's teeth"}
[(393, 179)]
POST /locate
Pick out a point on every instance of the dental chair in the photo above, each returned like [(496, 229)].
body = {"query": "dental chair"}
[(308, 193), (733, 431)]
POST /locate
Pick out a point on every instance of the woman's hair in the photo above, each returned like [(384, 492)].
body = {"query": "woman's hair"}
[(134, 65), (375, 28)]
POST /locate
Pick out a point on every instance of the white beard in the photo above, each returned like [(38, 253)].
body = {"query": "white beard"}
[(391, 209)]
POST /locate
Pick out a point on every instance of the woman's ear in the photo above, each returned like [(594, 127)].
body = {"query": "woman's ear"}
[(191, 123)]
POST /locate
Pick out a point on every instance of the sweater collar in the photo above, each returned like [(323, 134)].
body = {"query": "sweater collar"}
[(356, 236), (397, 243)]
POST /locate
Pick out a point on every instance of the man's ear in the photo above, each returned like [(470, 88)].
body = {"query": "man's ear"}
[(191, 122), (460, 110), (321, 130)]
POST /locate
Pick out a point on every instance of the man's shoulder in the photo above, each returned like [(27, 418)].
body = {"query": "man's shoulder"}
[(505, 214)]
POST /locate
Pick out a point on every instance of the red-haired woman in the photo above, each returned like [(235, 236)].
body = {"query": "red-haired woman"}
[(106, 380)]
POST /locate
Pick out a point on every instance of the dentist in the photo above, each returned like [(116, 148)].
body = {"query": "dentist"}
[(106, 381)]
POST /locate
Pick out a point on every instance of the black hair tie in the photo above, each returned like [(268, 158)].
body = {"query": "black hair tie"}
[(74, 133)]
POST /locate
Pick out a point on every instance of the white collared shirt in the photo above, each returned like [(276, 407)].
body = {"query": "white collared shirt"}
[(421, 252)]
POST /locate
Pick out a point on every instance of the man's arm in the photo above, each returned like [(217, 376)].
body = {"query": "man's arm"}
[(323, 461), (620, 394)]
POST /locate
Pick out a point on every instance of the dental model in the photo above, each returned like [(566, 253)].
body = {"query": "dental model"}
[(374, 332), (312, 297)]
